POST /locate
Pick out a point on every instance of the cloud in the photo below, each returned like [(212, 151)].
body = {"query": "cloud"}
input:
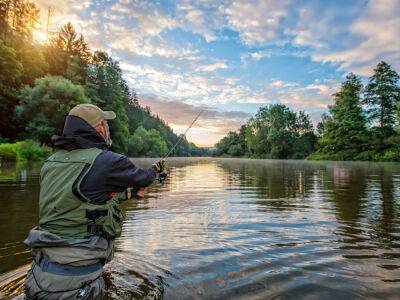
[(257, 21), (187, 86), (213, 122), (316, 95), (371, 37), (212, 67), (200, 17), (149, 21)]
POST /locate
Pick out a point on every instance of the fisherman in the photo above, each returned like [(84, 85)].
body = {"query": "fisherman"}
[(81, 186)]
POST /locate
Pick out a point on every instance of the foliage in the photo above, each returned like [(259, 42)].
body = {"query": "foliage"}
[(382, 94), (69, 55), (274, 132), (44, 106), (17, 17), (108, 90), (24, 151), (345, 132), (147, 143), (49, 79), (10, 80), (233, 144)]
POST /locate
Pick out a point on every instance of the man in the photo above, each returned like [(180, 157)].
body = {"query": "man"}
[(79, 214)]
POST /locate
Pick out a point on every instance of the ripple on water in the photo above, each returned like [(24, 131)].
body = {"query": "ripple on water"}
[(239, 229)]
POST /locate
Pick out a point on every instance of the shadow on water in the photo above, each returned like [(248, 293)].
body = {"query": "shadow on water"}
[(239, 229)]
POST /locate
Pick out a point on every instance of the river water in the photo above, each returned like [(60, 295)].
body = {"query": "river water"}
[(238, 229)]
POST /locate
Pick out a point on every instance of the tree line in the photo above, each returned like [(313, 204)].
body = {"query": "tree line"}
[(40, 83), (362, 124)]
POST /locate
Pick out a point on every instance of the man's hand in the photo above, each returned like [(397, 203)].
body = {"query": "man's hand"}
[(160, 166), (140, 193)]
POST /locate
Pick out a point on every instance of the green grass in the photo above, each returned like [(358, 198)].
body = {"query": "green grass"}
[(24, 151)]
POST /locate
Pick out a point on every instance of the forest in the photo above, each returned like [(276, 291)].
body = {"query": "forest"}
[(362, 124), (41, 82)]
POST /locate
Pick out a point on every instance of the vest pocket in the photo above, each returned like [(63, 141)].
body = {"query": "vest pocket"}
[(105, 222)]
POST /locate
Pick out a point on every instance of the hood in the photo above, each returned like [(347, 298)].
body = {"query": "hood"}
[(77, 134)]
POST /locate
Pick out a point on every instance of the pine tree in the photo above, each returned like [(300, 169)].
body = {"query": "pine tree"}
[(345, 132), (381, 96)]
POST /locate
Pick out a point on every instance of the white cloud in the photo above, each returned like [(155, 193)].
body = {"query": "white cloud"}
[(212, 67), (316, 95), (257, 21), (372, 37), (201, 17)]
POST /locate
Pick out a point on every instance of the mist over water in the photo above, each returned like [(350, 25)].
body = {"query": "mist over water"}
[(238, 229)]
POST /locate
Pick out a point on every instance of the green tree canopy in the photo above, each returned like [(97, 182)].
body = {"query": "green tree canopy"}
[(44, 106), (108, 90), (10, 80), (276, 130), (147, 143), (345, 132), (381, 97)]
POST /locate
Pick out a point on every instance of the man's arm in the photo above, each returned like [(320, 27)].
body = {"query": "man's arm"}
[(123, 174)]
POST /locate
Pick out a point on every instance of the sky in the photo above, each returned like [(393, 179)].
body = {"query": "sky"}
[(232, 57)]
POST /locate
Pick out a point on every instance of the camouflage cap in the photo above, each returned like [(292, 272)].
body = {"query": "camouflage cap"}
[(92, 114)]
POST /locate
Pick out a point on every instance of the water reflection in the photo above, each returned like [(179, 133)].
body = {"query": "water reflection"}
[(228, 228)]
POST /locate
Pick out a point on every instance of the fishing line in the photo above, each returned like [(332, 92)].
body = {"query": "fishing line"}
[(162, 176), (182, 135)]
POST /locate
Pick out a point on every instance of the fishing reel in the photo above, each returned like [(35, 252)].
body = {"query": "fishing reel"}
[(162, 176)]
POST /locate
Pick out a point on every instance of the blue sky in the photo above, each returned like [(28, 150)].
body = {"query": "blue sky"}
[(232, 57)]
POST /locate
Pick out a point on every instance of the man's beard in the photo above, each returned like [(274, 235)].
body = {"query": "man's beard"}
[(107, 137)]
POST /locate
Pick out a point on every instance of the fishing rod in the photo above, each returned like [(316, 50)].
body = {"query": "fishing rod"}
[(163, 175)]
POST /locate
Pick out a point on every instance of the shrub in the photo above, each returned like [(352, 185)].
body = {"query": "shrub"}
[(320, 156), (8, 152), (32, 150), (24, 151), (389, 155)]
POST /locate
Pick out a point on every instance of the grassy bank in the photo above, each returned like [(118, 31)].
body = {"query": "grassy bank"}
[(28, 150), (386, 155)]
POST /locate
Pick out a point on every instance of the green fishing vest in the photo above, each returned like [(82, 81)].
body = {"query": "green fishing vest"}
[(63, 209)]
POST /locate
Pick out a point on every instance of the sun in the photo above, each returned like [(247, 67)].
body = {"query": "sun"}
[(40, 36)]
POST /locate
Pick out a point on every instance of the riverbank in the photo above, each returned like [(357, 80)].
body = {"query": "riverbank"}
[(27, 150)]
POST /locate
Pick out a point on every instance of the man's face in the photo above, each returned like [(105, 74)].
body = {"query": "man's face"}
[(104, 131)]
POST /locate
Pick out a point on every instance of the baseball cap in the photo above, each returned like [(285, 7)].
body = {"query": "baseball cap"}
[(92, 114)]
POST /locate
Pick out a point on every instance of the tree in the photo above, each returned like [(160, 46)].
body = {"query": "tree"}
[(10, 81), (43, 107), (107, 89), (68, 55), (381, 97), (345, 132), (321, 125), (146, 143), (274, 132), (230, 145), (17, 19), (275, 127), (69, 41)]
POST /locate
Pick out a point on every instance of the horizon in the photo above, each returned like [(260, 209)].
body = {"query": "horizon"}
[(232, 58)]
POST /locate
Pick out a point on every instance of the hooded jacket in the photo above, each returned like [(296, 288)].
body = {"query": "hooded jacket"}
[(111, 172)]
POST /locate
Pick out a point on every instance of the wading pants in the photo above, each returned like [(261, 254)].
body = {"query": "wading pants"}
[(52, 281)]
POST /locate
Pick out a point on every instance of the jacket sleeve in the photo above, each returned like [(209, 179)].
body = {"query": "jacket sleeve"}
[(123, 173)]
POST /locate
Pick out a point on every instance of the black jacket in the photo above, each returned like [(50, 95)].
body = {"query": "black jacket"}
[(111, 172)]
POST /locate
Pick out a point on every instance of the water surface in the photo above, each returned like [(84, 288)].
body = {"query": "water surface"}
[(238, 229)]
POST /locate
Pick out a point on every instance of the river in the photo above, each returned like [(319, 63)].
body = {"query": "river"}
[(237, 229)]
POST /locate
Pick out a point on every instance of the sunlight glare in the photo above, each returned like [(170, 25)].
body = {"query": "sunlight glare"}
[(40, 36)]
